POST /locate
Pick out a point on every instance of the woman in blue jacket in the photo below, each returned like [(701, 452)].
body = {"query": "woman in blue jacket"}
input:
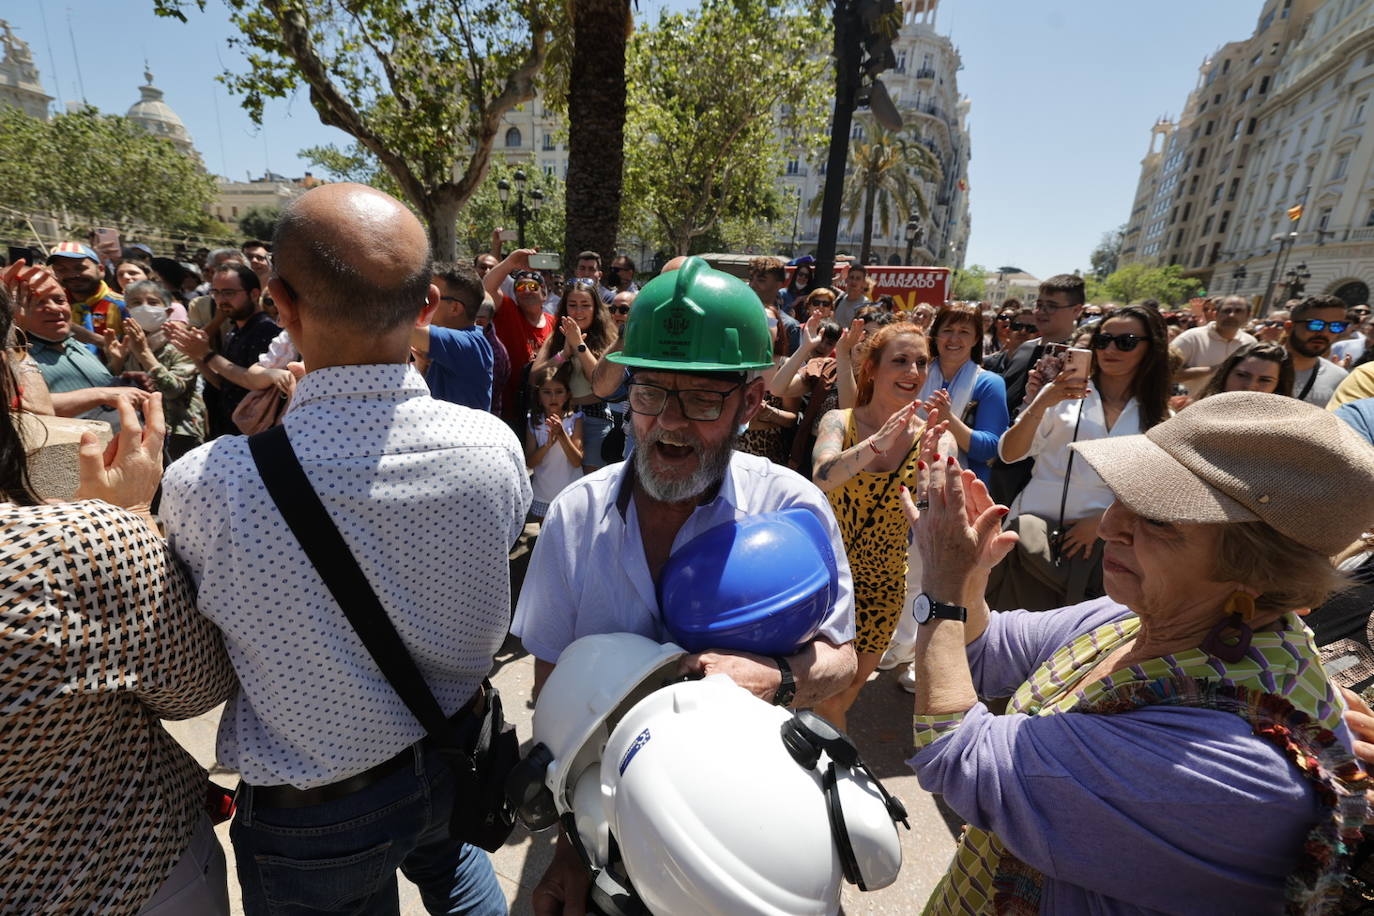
[(974, 400)]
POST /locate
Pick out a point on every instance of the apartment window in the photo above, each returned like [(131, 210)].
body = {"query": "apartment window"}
[(513, 137), (1201, 157), (1216, 193), (1245, 93), (1187, 210), (1225, 66), (1358, 117), (1264, 85), (1287, 6), (1207, 226), (233, 212), (793, 166), (1323, 219), (1235, 131), (1325, 129), (1192, 185), (856, 132), (1342, 165), (1216, 99), (1369, 220), (548, 141), (901, 62), (1231, 192), (1225, 222), (1208, 131)]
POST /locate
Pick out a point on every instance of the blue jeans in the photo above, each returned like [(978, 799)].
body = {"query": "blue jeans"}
[(342, 856)]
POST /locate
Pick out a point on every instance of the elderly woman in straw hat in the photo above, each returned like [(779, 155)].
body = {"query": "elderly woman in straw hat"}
[(1174, 746)]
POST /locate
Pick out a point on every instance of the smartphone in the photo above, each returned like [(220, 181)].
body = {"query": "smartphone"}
[(506, 235), (1078, 362), (106, 242), (1052, 361), (546, 260)]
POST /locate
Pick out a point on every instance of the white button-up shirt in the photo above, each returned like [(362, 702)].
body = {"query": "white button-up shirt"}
[(428, 495), (1087, 493), (588, 573)]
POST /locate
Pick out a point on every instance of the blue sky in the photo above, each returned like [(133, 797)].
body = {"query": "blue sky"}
[(1063, 94)]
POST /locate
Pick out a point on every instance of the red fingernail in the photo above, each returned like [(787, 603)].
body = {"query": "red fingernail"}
[(937, 456), (950, 459), (921, 465), (1003, 511)]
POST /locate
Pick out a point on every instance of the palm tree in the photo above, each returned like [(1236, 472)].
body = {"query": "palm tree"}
[(886, 176), (596, 125)]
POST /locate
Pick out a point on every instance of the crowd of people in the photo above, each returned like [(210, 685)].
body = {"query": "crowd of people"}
[(1159, 520)]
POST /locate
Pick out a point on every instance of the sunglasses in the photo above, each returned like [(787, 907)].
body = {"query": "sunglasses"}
[(618, 309), (1337, 327), (525, 286), (1124, 342), (1020, 326)]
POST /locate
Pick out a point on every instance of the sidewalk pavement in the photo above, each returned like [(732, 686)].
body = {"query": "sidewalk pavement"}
[(880, 722)]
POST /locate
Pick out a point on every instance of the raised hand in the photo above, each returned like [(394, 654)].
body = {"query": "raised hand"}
[(811, 333), (116, 350), (896, 426), (849, 338), (572, 334)]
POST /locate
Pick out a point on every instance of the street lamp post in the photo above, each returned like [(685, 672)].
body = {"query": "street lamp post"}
[(1285, 240), (1296, 280), (523, 212), (913, 235)]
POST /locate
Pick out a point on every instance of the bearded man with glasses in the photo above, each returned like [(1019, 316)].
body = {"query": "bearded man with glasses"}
[(1313, 326), (695, 343)]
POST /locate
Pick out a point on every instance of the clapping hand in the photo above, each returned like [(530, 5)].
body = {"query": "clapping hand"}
[(959, 532), (194, 342), (903, 422), (137, 341), (572, 335), (849, 338), (811, 333), (116, 350), (554, 423)]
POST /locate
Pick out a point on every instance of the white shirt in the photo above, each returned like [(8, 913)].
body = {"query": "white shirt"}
[(1087, 493), (1205, 347), (588, 573), (429, 497)]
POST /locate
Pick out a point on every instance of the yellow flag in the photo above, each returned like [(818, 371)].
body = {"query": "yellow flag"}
[(1295, 213)]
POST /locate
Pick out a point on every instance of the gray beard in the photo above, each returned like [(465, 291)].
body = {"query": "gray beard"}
[(710, 471)]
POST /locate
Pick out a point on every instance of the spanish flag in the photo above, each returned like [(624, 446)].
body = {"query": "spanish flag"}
[(963, 185), (1295, 213)]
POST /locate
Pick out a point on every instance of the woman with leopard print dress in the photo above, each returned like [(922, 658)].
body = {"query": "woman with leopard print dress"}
[(862, 458)]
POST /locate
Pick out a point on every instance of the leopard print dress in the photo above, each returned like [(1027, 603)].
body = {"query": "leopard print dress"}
[(877, 550)]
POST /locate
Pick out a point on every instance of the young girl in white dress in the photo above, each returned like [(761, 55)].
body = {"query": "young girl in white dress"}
[(553, 437)]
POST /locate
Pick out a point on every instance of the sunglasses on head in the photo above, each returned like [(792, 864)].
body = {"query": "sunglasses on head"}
[(1316, 324), (1124, 342), (618, 309)]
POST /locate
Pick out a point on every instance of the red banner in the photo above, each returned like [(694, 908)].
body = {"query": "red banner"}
[(910, 286)]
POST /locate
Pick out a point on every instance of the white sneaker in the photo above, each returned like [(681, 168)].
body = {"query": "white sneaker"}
[(907, 679), (896, 654)]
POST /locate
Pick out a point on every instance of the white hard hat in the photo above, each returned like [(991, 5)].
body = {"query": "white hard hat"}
[(713, 812), (595, 676)]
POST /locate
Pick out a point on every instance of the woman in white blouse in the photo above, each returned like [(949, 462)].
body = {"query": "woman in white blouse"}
[(1058, 561)]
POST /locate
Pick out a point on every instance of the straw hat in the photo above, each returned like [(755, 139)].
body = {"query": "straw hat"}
[(1242, 457)]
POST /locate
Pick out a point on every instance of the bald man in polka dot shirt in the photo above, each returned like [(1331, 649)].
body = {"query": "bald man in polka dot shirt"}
[(339, 789)]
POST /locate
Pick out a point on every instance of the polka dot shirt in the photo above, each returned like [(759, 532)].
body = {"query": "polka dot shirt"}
[(429, 497)]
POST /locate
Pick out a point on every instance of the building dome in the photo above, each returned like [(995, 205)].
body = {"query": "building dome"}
[(157, 117)]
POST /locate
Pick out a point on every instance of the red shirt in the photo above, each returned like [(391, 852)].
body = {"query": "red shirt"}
[(522, 341)]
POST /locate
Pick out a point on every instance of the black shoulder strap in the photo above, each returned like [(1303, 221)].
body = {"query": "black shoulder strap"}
[(309, 521)]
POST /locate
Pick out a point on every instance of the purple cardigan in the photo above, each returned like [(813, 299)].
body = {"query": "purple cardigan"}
[(1163, 809)]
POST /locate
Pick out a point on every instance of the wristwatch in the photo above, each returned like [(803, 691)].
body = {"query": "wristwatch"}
[(581, 348), (927, 609), (787, 690)]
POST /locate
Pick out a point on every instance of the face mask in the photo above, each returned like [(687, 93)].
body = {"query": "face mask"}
[(149, 317)]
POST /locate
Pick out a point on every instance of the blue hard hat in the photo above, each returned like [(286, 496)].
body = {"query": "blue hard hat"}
[(759, 584)]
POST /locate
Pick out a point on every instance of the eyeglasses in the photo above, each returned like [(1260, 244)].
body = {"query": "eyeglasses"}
[(618, 309), (225, 292), (1124, 342), (1005, 317), (1043, 306), (695, 403), (1316, 324), (526, 286), (1024, 328)]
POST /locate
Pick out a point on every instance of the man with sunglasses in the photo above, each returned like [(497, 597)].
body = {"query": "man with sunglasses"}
[(696, 343), (1206, 347), (1314, 324), (521, 323)]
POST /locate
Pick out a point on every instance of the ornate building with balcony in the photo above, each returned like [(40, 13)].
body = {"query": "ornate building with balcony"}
[(20, 86), (924, 87)]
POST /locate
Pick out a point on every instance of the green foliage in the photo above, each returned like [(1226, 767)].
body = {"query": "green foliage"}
[(1107, 255), (420, 84), (100, 168), (1136, 282), (259, 222), (969, 283), (702, 143)]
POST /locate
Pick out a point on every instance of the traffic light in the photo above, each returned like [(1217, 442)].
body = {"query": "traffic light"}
[(879, 21)]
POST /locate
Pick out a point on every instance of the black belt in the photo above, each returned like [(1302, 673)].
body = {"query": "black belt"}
[(596, 410), (291, 797)]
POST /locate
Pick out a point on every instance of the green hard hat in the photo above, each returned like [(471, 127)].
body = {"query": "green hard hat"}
[(696, 319)]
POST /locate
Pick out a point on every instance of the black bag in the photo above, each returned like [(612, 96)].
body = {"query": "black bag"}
[(481, 748)]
